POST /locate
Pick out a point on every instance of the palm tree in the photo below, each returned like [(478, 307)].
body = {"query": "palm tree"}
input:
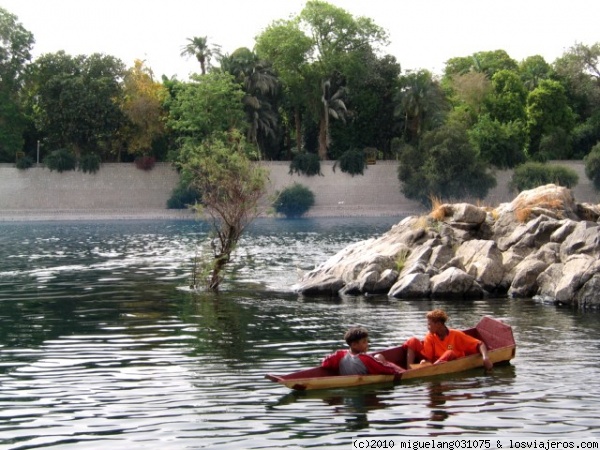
[(198, 46), (260, 85), (419, 104), (332, 102)]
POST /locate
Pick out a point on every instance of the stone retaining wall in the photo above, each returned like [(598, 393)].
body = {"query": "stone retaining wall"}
[(123, 191)]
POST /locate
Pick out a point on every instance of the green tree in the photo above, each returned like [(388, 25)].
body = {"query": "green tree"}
[(231, 184), (199, 47), (578, 69), (260, 86), (15, 52), (534, 69), (371, 85), (444, 166), (500, 144), (76, 100), (548, 112), (508, 96), (207, 104), (487, 62), (336, 37), (288, 49), (420, 104)]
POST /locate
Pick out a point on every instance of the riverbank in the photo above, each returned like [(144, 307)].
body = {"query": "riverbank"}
[(123, 192)]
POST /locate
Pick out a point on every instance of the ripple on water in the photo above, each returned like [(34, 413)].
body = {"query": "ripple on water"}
[(110, 353)]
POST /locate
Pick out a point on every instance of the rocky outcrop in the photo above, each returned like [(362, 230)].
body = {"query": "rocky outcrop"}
[(542, 244)]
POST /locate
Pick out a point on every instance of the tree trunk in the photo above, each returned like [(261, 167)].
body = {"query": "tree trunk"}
[(298, 123), (323, 139)]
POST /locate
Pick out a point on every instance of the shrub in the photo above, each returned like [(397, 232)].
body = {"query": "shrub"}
[(24, 162), (352, 162), (592, 165), (145, 162), (182, 196), (60, 160), (294, 200), (89, 163), (533, 174), (306, 163)]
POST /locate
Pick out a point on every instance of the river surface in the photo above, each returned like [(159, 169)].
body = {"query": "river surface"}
[(102, 347)]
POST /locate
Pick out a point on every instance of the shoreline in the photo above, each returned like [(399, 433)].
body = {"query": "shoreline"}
[(178, 214)]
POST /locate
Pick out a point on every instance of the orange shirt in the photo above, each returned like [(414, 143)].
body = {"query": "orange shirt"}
[(460, 343)]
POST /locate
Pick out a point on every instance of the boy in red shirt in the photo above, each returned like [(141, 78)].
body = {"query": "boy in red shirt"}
[(443, 344), (356, 361)]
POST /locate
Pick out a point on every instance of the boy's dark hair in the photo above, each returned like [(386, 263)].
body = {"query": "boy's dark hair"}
[(355, 334)]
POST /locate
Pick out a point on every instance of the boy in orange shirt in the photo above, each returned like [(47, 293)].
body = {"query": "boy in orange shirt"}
[(443, 344)]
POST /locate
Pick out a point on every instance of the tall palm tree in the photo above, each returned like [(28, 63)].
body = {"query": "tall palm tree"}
[(332, 105), (420, 104), (198, 46), (260, 85)]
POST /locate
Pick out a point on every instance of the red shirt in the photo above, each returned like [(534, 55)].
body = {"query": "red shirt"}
[(460, 343), (373, 366)]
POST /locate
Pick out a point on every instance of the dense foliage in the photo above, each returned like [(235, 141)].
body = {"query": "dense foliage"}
[(533, 174), (313, 85), (306, 164), (353, 162), (294, 201), (445, 166), (183, 197), (89, 163), (61, 160), (592, 165)]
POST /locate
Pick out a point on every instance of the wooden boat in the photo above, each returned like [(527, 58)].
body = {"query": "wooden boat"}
[(496, 335)]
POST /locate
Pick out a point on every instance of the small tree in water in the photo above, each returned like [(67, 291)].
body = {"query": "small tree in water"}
[(221, 168)]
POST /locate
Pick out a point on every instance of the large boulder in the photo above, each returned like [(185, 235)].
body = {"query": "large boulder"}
[(455, 283), (415, 285)]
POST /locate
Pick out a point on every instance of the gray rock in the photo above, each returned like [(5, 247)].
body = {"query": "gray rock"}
[(415, 285), (454, 283), (524, 283)]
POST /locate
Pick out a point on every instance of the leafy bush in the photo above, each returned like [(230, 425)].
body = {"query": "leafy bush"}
[(24, 163), (592, 165), (145, 162), (306, 163), (89, 163), (60, 160), (182, 196), (444, 165), (294, 201), (533, 174), (352, 162)]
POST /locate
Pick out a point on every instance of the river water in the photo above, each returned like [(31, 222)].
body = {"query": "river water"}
[(101, 346)]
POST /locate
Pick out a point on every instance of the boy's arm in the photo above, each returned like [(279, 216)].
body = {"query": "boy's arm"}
[(375, 367), (333, 361)]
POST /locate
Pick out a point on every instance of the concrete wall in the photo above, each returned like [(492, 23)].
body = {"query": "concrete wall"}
[(125, 191)]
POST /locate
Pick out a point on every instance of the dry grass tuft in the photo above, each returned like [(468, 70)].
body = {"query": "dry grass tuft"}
[(422, 223), (523, 214), (524, 207), (438, 210)]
